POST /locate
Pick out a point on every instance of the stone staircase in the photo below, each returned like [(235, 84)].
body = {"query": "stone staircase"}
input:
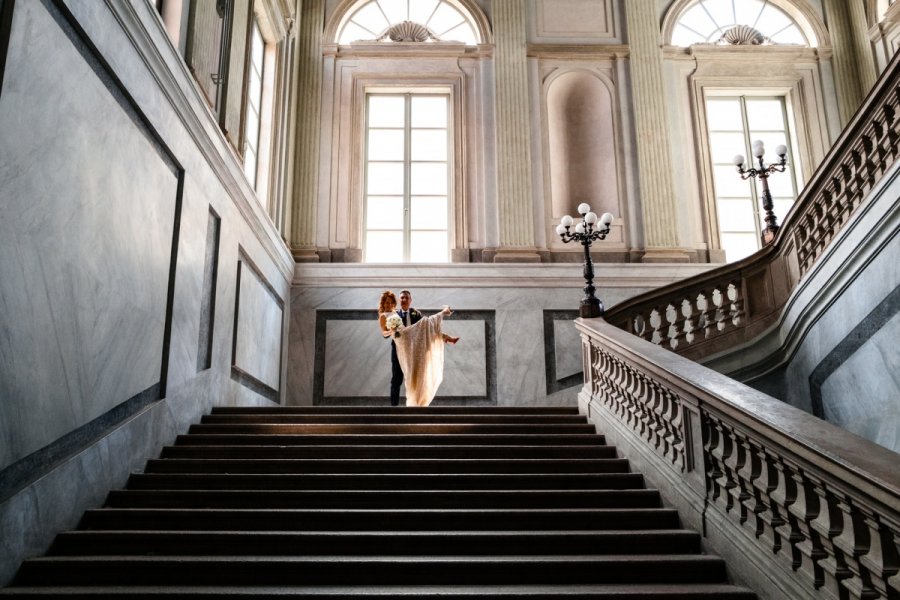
[(445, 502)]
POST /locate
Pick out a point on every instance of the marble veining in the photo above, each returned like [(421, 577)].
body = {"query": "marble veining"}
[(87, 241), (258, 323)]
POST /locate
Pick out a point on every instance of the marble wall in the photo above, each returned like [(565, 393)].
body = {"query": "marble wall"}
[(518, 345), (122, 319), (834, 351)]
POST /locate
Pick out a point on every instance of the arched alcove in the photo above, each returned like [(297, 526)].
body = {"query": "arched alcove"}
[(582, 145)]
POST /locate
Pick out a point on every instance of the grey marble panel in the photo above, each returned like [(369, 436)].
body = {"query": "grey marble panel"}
[(358, 360), (257, 327), (567, 343), (87, 238), (352, 360), (863, 393)]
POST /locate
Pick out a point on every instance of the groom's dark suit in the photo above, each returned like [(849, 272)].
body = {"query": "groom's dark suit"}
[(396, 372)]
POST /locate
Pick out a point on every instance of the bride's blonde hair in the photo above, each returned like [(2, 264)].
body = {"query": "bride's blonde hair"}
[(387, 298)]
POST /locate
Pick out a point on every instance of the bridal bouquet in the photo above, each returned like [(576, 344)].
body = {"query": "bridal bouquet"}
[(395, 324)]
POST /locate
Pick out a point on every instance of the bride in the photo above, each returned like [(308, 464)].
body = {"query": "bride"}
[(417, 352)]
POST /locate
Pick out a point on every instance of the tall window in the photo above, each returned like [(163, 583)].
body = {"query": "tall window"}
[(734, 123), (254, 103), (407, 178)]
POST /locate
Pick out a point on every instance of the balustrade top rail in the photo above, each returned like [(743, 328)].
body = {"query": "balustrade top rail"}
[(702, 315), (823, 499)]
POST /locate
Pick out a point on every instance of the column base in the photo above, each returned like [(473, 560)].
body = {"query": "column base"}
[(305, 255), (516, 255), (669, 255)]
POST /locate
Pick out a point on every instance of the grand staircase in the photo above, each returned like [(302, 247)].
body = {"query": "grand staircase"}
[(444, 502)]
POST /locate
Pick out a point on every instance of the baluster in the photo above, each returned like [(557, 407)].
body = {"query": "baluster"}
[(735, 463), (782, 497), (881, 562), (712, 438), (656, 322), (747, 475), (804, 509), (832, 568), (737, 302), (687, 323), (853, 542), (719, 318), (763, 486), (671, 332)]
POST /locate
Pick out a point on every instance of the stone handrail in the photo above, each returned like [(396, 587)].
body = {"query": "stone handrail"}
[(703, 315), (799, 508)]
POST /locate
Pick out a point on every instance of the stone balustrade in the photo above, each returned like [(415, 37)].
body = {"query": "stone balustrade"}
[(704, 315), (798, 507)]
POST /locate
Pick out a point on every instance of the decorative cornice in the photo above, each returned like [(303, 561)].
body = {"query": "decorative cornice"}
[(577, 51), (407, 50)]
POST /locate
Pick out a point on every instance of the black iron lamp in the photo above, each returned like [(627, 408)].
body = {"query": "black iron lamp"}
[(586, 234), (763, 173)]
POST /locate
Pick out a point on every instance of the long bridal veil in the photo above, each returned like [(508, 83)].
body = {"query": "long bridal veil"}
[(420, 350)]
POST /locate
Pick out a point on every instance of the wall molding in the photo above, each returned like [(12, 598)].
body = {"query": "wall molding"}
[(555, 384), (489, 317)]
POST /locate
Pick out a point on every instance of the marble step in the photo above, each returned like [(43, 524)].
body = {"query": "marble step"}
[(249, 450), (385, 481), (376, 418), (399, 439), (394, 466), (395, 410), (348, 542), (370, 429), (383, 499), (697, 591), (375, 570), (394, 519)]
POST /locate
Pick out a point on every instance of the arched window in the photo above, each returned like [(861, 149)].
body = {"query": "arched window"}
[(408, 21), (747, 22)]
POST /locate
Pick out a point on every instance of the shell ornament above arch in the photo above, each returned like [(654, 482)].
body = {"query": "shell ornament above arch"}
[(458, 21), (407, 31), (743, 35)]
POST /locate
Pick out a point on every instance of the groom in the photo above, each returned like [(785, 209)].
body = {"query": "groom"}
[(410, 316)]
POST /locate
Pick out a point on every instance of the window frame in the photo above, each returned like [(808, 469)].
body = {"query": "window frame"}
[(408, 93)]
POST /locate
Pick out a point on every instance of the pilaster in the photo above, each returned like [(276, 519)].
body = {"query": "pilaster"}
[(652, 135), (303, 208), (514, 190), (854, 64)]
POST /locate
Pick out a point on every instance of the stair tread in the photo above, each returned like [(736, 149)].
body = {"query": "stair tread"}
[(415, 591), (568, 559)]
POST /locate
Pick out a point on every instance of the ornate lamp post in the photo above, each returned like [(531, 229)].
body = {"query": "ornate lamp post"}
[(586, 234), (763, 173)]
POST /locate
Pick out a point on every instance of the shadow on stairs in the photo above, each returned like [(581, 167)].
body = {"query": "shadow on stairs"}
[(367, 502)]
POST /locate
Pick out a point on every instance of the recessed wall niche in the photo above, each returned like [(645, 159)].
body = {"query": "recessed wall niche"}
[(581, 145)]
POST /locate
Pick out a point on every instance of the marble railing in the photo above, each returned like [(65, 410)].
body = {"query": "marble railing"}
[(701, 316), (798, 507)]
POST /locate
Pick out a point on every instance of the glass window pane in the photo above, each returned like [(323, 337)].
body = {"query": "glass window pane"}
[(396, 10), (781, 185), (428, 144), (724, 114), (354, 33), (429, 111), (771, 141), (736, 215), (461, 33), (429, 246), (771, 20), (254, 93), (420, 10), (250, 165), (763, 115), (428, 179), (385, 179), (781, 209), (697, 19), (722, 12), (256, 48), (739, 245), (385, 144), (444, 19), (723, 147), (251, 139), (384, 212), (386, 111), (748, 11), (371, 17), (428, 213), (384, 246), (729, 183), (682, 36), (791, 35)]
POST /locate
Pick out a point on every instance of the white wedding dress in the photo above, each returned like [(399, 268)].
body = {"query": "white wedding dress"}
[(420, 351)]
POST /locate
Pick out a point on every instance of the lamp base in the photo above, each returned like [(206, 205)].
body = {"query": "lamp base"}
[(590, 309)]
